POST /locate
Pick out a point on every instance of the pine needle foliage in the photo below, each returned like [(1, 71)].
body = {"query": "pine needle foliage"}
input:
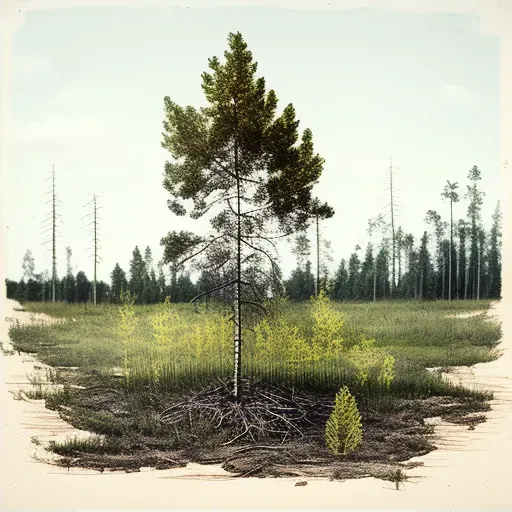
[(344, 431)]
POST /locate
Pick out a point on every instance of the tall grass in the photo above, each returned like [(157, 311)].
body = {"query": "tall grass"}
[(320, 345)]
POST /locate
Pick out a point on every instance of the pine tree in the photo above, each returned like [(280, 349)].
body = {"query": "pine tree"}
[(137, 276), (354, 268), (236, 157), (439, 227), (410, 278), (475, 197), (450, 193), (424, 267), (162, 285), (343, 430), (367, 274), (83, 287), (119, 284), (339, 288), (494, 286)]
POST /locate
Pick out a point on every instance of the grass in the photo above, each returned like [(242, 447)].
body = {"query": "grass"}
[(131, 375), (195, 347)]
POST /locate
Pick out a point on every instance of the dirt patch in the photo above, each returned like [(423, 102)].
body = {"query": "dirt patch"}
[(137, 432)]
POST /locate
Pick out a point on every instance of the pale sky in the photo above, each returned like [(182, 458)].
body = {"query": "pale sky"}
[(88, 96)]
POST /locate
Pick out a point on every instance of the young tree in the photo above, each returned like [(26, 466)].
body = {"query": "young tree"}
[(236, 158), (450, 194)]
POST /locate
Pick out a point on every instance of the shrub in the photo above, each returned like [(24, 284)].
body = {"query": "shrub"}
[(343, 431)]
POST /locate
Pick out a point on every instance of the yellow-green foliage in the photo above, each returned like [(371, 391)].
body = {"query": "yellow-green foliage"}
[(327, 339), (280, 341), (344, 431), (365, 357), (318, 344), (126, 327), (161, 342), (387, 371), (180, 343)]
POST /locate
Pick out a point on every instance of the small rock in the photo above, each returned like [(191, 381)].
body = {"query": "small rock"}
[(301, 483)]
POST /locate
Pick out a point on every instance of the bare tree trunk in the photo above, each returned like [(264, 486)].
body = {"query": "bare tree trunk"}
[(317, 257), (94, 283), (54, 257), (392, 289), (237, 341), (450, 255)]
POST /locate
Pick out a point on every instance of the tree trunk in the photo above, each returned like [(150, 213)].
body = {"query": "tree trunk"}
[(237, 341), (421, 283), (95, 250), (466, 281), (444, 277), (374, 282), (54, 257), (478, 277), (457, 275), (317, 258), (392, 229), (450, 255), (399, 265)]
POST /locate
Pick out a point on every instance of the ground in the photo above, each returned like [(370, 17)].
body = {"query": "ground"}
[(133, 431)]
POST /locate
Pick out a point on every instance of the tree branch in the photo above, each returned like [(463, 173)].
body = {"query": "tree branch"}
[(260, 250), (200, 251), (220, 287), (256, 305)]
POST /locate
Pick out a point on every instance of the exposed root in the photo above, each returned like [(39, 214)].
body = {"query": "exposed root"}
[(265, 412)]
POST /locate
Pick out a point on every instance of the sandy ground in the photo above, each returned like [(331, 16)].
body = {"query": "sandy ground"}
[(469, 471)]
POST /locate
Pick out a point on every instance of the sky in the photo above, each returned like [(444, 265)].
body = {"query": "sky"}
[(87, 96)]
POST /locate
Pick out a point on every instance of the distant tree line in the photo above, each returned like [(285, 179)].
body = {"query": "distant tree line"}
[(454, 259)]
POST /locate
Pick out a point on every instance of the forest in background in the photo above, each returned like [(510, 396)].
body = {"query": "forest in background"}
[(452, 259)]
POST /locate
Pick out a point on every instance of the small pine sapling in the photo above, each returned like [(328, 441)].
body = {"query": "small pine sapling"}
[(343, 431)]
